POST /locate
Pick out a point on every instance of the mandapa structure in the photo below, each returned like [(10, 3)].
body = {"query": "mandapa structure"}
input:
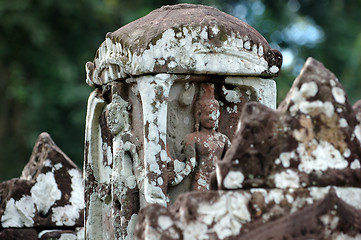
[(169, 89), (291, 173)]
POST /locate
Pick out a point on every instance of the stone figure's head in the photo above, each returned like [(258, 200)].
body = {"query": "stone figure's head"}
[(206, 109)]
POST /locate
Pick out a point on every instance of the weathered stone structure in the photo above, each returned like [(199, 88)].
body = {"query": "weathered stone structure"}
[(146, 139), (46, 202), (291, 173), (184, 101)]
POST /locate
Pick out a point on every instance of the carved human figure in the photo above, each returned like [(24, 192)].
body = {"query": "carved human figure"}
[(205, 146)]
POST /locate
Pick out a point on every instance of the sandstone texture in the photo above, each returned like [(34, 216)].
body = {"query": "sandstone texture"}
[(291, 173)]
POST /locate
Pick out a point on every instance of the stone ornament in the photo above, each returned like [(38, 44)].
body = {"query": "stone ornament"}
[(156, 81), (48, 196), (291, 173)]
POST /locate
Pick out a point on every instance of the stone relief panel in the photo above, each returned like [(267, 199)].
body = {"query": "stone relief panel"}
[(202, 119)]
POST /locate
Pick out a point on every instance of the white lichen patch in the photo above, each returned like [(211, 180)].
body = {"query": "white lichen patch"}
[(103, 162), (233, 180), (287, 179), (182, 169), (343, 123), (47, 163), (338, 94), (160, 181), (45, 183), (65, 216), (318, 193), (226, 215), (347, 153), (357, 132), (285, 159), (332, 82), (265, 89), (77, 194), (232, 110), (165, 222), (274, 69), (232, 96), (178, 166), (309, 89), (299, 98), (68, 215), (330, 223), (355, 164), (190, 233), (58, 166), (19, 213), (215, 115), (202, 182), (324, 156), (350, 195), (274, 195), (317, 107), (68, 236), (299, 202), (131, 227), (289, 198)]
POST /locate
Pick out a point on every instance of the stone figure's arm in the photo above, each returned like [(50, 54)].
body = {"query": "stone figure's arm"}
[(182, 169), (227, 146)]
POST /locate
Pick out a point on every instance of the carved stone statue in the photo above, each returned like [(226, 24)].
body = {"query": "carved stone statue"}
[(205, 146)]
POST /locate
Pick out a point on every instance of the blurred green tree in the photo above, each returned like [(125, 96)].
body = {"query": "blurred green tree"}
[(44, 45)]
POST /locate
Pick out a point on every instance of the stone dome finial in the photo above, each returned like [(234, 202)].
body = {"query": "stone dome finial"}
[(185, 39)]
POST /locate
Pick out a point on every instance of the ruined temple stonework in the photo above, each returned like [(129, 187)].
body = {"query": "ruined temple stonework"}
[(291, 173), (169, 89), (47, 201)]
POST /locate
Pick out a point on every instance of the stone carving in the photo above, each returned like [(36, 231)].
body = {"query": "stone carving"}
[(291, 173), (47, 196), (147, 75), (205, 146)]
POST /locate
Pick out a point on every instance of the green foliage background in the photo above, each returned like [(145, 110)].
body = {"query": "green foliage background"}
[(44, 45)]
